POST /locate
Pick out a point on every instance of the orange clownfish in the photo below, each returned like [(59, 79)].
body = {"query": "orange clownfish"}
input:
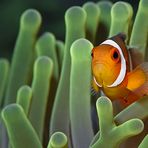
[(112, 73)]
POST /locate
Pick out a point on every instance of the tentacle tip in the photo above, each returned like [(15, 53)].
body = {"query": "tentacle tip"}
[(30, 19), (137, 125), (58, 139), (103, 101)]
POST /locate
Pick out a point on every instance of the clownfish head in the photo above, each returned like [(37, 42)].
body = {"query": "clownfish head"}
[(109, 62)]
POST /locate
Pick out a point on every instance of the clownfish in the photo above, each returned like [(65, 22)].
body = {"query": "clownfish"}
[(113, 73)]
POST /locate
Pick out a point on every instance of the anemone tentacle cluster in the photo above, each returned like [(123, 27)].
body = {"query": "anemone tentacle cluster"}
[(45, 97)]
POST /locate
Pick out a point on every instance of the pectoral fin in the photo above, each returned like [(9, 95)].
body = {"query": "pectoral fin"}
[(138, 80)]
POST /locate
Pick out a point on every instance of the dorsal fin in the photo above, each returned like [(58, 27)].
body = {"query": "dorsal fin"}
[(122, 36)]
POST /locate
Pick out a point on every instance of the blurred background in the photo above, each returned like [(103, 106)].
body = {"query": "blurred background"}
[(52, 12)]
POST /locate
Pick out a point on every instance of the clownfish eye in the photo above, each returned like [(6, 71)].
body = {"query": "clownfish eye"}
[(115, 55)]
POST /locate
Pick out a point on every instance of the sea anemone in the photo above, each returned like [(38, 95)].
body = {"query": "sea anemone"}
[(45, 91)]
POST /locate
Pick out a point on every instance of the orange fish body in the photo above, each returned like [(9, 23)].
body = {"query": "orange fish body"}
[(111, 68)]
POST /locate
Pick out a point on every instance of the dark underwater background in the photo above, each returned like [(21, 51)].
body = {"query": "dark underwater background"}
[(52, 12)]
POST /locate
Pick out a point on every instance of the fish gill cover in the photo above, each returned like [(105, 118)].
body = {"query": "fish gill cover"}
[(45, 97)]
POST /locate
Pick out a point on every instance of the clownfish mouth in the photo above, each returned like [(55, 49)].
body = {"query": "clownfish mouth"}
[(99, 70)]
